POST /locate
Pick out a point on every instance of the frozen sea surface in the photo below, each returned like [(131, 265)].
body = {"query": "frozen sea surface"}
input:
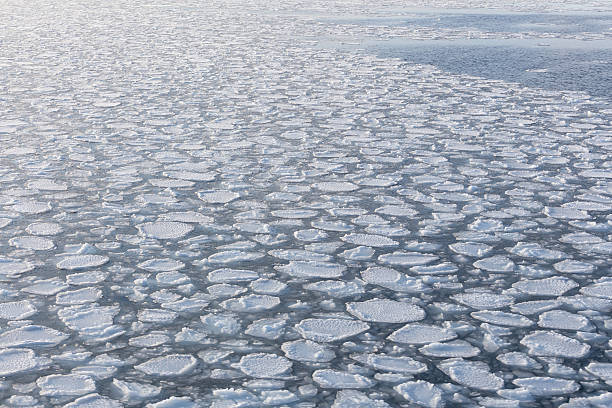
[(305, 204)]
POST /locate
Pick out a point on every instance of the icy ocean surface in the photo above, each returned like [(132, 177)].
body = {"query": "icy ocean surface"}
[(305, 204)]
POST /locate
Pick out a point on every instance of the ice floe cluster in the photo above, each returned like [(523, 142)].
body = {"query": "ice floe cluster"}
[(205, 207)]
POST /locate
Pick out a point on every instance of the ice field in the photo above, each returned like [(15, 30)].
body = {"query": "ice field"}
[(305, 204)]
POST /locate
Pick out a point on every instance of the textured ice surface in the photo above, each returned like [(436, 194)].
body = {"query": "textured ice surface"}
[(305, 204)]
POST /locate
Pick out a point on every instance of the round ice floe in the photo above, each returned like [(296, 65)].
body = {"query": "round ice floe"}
[(4, 222), (572, 266), (396, 364), (340, 379), (337, 288), (64, 385), (45, 287), (455, 348), (227, 275), (474, 249), (369, 240), (168, 366), (156, 315), (74, 262), (46, 184), (560, 319), (32, 208), (187, 216), (554, 286), (535, 250), (360, 253), (310, 235), (551, 344), (225, 290), (86, 278), (149, 340), (601, 370), (353, 399), (335, 186), (407, 258), (299, 255), (79, 296), (94, 401), (599, 289), (268, 286), (221, 324), (31, 336), (421, 334), (392, 279), (566, 213), (421, 393), (34, 243), (518, 359), (472, 374), (545, 386), (263, 365), (172, 278), (385, 311), (328, 330), (18, 310), (234, 256), (306, 350), (251, 303), (17, 361), (495, 264), (312, 269), (483, 300), (267, 328), (11, 267), (165, 229), (396, 211), (294, 214), (502, 318), (217, 196), (161, 265)]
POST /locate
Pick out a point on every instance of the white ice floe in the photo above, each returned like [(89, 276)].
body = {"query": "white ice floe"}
[(472, 374), (483, 300), (269, 328), (94, 401), (133, 392), (356, 399), (545, 386), (75, 262), (217, 196), (518, 359), (369, 240), (21, 309), (86, 278), (454, 348), (161, 265), (174, 402), (502, 318), (31, 336), (307, 350), (78, 296), (251, 303), (399, 258), (396, 364), (336, 186), (551, 344), (234, 256), (19, 361), (14, 267), (226, 275), (561, 319), (312, 269), (337, 288), (601, 370), (329, 330), (56, 385), (165, 229), (385, 311), (415, 333), (33, 243), (327, 378), (265, 365), (496, 263), (554, 286), (421, 393), (169, 366)]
